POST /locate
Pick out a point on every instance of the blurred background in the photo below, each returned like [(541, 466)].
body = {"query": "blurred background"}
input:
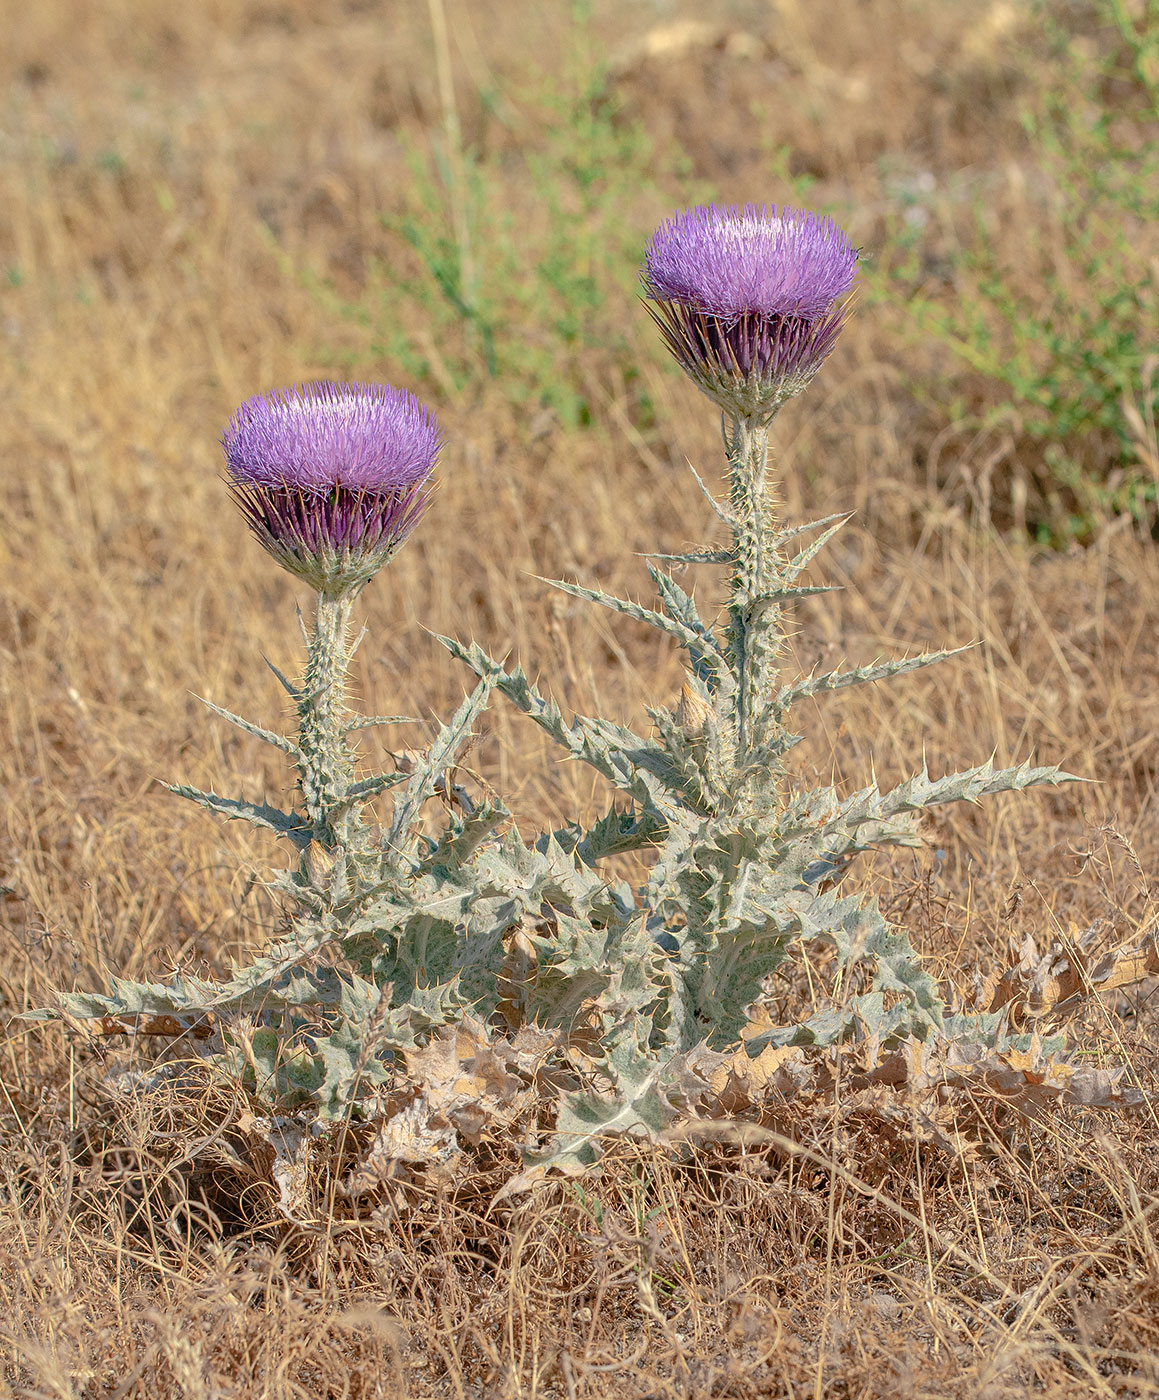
[(200, 202)]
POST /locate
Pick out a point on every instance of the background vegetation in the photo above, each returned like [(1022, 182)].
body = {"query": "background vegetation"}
[(198, 202)]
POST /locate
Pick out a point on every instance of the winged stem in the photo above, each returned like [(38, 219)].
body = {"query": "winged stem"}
[(755, 632), (326, 758)]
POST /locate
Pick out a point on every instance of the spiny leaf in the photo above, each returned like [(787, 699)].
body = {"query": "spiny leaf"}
[(360, 1052), (293, 691), (895, 963), (636, 765), (860, 1018), (791, 532), (714, 505), (703, 556), (602, 972), (464, 836), (292, 824), (184, 996), (250, 985), (615, 834), (698, 641), (369, 721), (370, 787), (794, 567), (682, 607), (545, 873), (969, 785), (277, 740), (788, 695), (648, 1092), (789, 594), (438, 758)]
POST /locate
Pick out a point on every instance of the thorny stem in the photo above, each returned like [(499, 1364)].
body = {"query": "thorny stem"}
[(754, 630), (326, 765)]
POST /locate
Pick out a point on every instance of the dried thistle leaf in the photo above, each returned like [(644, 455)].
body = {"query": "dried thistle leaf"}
[(692, 713), (516, 978), (1069, 972), (280, 1147)]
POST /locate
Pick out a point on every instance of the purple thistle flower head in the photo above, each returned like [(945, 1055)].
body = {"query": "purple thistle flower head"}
[(750, 301), (332, 478)]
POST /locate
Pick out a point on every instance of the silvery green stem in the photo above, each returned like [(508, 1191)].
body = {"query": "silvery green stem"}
[(326, 763), (754, 631)]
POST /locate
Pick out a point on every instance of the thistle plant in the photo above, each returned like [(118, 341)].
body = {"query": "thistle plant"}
[(742, 861), (750, 303), (413, 965), (331, 480)]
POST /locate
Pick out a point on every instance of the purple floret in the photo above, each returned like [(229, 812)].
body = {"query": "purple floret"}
[(730, 262), (332, 478), (370, 437), (749, 300)]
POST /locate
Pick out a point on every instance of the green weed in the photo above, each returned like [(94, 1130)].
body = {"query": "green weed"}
[(1056, 324), (516, 266)]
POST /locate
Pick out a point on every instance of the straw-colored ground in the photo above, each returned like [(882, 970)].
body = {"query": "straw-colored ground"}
[(191, 209)]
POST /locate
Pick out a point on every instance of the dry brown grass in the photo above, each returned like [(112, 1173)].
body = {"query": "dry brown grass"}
[(141, 1253)]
